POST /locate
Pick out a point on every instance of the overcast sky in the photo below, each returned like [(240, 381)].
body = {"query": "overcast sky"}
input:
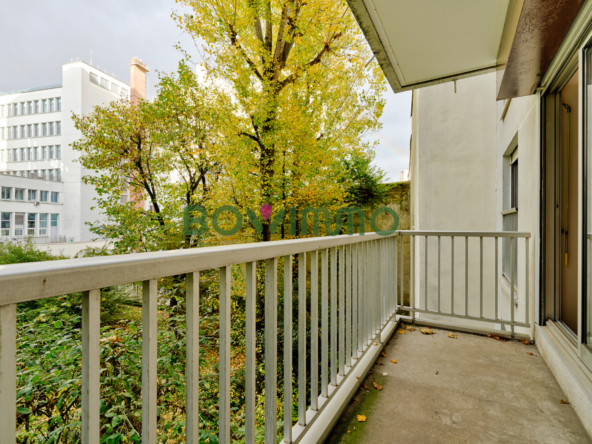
[(38, 36)]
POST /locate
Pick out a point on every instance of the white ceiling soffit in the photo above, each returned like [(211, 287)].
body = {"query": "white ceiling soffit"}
[(424, 42)]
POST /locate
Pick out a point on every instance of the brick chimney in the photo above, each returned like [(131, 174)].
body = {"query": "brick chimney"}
[(138, 72)]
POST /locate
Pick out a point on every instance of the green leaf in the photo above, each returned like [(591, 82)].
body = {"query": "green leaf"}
[(24, 410)]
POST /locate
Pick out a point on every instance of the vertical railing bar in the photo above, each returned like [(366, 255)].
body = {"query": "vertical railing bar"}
[(355, 300), (412, 300), (149, 357), (526, 280), (91, 353), (341, 349), (512, 249), (287, 350), (192, 366), (496, 277), (396, 270), (324, 323), (348, 305), (439, 274), (481, 277), (270, 351), (302, 339), (452, 274), (368, 306), (314, 333), (466, 275), (334, 316), (224, 372), (360, 274), (8, 374), (425, 302), (402, 269)]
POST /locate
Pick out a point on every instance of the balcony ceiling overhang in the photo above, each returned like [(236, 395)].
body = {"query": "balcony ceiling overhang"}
[(425, 42)]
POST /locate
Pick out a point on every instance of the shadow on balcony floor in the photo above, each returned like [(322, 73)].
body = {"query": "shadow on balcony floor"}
[(471, 389)]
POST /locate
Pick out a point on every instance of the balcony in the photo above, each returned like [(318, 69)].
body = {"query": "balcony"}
[(352, 294)]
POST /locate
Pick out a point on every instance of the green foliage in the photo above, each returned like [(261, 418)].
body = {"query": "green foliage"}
[(20, 253), (363, 181)]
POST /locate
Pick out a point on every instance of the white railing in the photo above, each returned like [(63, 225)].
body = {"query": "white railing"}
[(356, 287), (361, 290), (426, 296)]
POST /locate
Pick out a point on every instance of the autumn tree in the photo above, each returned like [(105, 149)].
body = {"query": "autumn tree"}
[(163, 152), (304, 94)]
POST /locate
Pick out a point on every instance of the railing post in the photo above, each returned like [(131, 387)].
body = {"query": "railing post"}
[(325, 323), (8, 374), (314, 330), (224, 365), (149, 357), (334, 316), (341, 349), (439, 274), (287, 355), (302, 339), (348, 305), (270, 351), (481, 277), (526, 279), (402, 268), (512, 264), (91, 358), (412, 300), (192, 371), (496, 277), (251, 349), (452, 274), (355, 299)]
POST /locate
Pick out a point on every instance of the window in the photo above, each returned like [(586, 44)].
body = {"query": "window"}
[(94, 78), (2, 133), (54, 197), (51, 105), (23, 108), (510, 213), (29, 130), (50, 174), (23, 131), (114, 88), (124, 92), (59, 104), (43, 194), (29, 107), (42, 224), (29, 154), (14, 155), (51, 152), (36, 126), (58, 152), (54, 220), (1, 110), (44, 151), (32, 195), (5, 224), (22, 158), (44, 175), (19, 223), (36, 153), (15, 132), (514, 184), (15, 109), (59, 175), (6, 192), (58, 128), (36, 106), (23, 173), (104, 83), (44, 102), (51, 128), (31, 222), (19, 194), (44, 126)]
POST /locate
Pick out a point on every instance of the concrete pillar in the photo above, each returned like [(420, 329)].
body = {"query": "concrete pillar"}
[(138, 72)]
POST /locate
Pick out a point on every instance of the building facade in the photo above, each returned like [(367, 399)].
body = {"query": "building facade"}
[(36, 131)]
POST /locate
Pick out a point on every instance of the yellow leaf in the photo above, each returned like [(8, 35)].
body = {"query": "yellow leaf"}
[(410, 328), (378, 387), (361, 418), (393, 361), (563, 401), (402, 332), (452, 335), (427, 331)]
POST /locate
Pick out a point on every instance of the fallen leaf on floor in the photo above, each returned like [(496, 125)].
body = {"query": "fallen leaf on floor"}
[(401, 332), (354, 401), (524, 341), (563, 401), (410, 328), (365, 386), (393, 361), (529, 353), (427, 331), (489, 336), (452, 335), (383, 354), (396, 337), (385, 374), (357, 377), (378, 387), (374, 343), (436, 372), (361, 418)]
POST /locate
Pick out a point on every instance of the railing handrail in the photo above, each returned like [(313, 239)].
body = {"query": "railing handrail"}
[(523, 234), (39, 280)]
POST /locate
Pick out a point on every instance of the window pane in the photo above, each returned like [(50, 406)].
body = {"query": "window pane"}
[(54, 220), (31, 223), (59, 103), (5, 224)]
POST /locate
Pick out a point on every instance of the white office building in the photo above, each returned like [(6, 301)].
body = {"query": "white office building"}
[(41, 190)]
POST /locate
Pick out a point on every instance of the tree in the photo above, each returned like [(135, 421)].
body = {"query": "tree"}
[(363, 182), (303, 93), (162, 151)]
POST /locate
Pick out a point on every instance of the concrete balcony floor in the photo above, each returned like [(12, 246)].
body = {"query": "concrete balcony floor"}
[(472, 389)]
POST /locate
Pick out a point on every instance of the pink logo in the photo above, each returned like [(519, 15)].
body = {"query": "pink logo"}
[(265, 211)]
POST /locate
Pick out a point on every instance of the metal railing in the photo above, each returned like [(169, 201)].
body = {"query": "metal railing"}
[(357, 301), (426, 296), (357, 281)]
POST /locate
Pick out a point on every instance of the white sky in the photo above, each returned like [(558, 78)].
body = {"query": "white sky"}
[(38, 36)]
